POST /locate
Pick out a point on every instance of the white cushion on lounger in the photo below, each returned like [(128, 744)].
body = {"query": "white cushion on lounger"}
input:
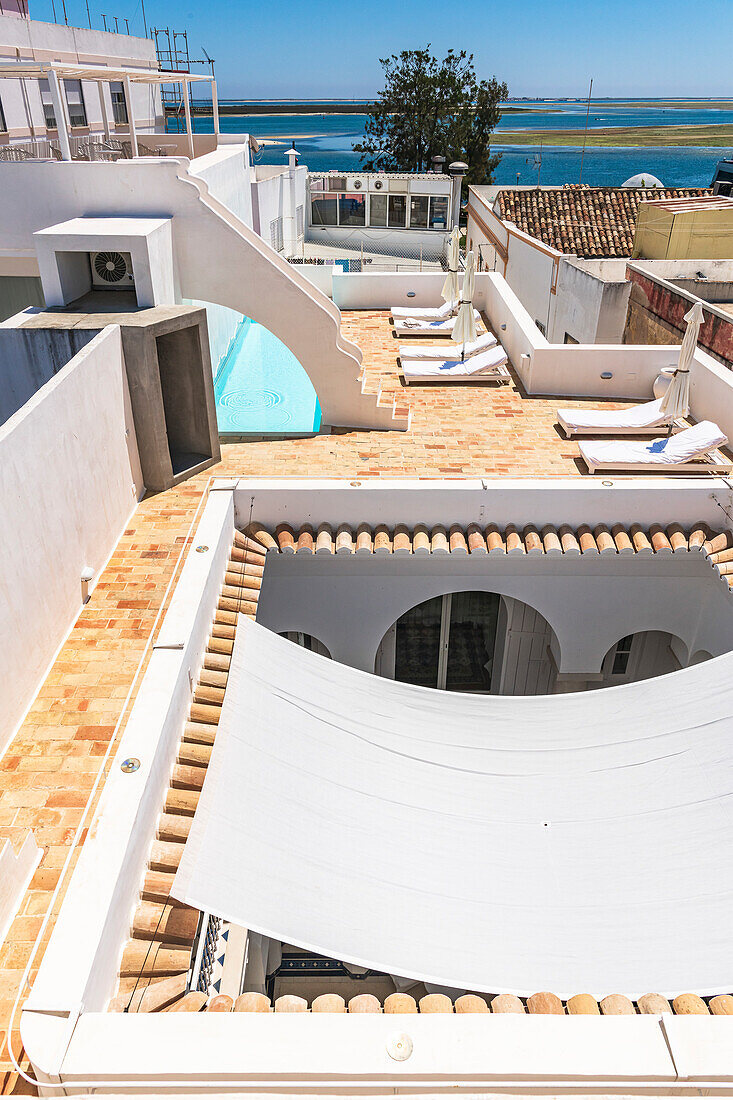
[(428, 313), (420, 324), (669, 451), (486, 363), (648, 415), (448, 351)]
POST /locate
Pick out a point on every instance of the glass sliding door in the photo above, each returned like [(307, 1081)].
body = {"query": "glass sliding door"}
[(448, 642), (378, 210), (418, 212), (472, 634), (397, 211), (417, 645)]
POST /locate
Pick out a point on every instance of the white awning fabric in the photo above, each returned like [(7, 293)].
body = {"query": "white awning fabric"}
[(573, 843)]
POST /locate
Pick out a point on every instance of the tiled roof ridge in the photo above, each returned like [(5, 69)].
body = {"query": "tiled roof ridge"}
[(156, 960), (584, 221), (509, 539), (538, 1004)]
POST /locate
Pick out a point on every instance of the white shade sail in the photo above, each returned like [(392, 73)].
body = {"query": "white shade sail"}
[(574, 843), (676, 398), (464, 330), (449, 293)]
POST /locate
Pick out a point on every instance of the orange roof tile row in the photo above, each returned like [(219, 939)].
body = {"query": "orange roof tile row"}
[(539, 1004), (591, 222), (495, 539)]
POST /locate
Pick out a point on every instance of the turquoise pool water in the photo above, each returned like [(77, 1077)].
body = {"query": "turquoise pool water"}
[(261, 388)]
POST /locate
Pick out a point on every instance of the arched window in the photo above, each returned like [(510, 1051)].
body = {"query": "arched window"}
[(448, 642), (641, 656), (307, 641), (470, 641)]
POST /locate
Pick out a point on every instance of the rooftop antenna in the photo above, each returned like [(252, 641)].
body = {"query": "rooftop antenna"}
[(585, 132), (537, 163)]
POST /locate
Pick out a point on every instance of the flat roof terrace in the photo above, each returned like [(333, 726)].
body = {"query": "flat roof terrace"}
[(456, 430), (49, 769)]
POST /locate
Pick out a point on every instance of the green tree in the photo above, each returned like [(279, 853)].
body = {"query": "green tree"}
[(429, 107)]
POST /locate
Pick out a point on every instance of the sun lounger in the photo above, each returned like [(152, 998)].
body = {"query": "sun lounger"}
[(488, 366), (418, 326), (646, 419), (448, 351), (692, 451), (430, 313)]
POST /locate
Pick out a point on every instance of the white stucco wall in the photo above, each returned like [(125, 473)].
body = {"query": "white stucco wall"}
[(590, 301), (33, 40), (222, 324), (69, 480), (226, 173), (217, 258), (591, 601)]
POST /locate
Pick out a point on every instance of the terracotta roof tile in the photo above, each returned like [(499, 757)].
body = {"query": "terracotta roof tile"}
[(592, 222)]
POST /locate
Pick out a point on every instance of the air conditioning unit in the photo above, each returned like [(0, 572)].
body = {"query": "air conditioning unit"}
[(379, 183), (111, 270), (356, 183)]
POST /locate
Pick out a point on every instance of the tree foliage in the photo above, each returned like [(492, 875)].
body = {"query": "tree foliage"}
[(429, 107)]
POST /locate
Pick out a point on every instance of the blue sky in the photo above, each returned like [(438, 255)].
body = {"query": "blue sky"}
[(291, 48)]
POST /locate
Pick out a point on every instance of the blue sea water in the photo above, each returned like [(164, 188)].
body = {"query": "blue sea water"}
[(325, 142), (261, 388)]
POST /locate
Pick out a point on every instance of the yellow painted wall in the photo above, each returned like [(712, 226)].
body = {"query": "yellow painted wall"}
[(696, 234)]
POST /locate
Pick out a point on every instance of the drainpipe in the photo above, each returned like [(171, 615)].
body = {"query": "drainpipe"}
[(290, 238), (457, 170)]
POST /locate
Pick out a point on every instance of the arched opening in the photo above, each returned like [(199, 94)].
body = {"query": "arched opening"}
[(307, 641), (641, 656), (471, 641), (700, 656), (259, 386)]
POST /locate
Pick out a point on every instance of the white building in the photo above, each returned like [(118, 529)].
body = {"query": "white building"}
[(563, 251), (471, 832), (387, 213), (92, 109)]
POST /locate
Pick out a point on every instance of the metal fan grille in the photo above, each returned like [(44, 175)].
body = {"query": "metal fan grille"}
[(110, 266)]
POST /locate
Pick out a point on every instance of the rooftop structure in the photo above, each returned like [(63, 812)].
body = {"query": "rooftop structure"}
[(413, 716), (590, 222)]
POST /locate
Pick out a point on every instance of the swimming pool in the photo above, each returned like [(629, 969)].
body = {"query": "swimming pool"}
[(261, 388)]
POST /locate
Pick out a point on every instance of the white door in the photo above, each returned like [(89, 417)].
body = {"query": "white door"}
[(526, 668)]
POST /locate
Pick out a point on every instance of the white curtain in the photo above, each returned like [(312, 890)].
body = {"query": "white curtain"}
[(567, 842)]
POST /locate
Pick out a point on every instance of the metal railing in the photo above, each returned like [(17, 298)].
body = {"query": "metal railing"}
[(39, 149), (82, 148), (207, 939)]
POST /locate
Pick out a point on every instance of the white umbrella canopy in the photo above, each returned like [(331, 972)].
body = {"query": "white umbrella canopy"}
[(464, 329), (676, 400), (449, 293)]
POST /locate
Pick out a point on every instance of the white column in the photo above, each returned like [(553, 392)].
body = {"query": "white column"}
[(103, 104), (131, 116), (189, 131), (215, 109), (59, 111)]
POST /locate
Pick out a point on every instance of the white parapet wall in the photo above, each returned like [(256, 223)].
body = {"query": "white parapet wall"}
[(16, 871), (217, 258), (69, 480)]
